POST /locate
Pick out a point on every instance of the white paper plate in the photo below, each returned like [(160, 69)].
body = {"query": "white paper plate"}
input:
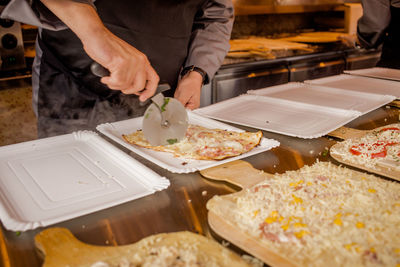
[(381, 73), (360, 84), (167, 160), (58, 178), (280, 116), (325, 96)]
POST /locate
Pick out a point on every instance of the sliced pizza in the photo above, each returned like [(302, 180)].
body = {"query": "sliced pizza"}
[(202, 143)]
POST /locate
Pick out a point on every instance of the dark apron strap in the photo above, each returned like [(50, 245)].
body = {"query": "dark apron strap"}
[(390, 57)]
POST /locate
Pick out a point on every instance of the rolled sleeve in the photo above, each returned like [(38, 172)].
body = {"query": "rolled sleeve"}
[(210, 38), (33, 12), (372, 26)]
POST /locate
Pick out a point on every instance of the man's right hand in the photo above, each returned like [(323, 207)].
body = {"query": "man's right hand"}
[(130, 70)]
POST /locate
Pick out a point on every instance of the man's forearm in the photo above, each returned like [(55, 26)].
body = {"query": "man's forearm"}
[(81, 18)]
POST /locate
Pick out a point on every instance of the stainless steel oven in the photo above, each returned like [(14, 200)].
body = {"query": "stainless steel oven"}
[(236, 79), (11, 44)]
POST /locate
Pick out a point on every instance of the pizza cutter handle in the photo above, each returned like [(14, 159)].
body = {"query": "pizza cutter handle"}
[(100, 71)]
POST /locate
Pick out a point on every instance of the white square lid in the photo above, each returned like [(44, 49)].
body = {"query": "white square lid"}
[(360, 84), (279, 115), (167, 160), (50, 180), (326, 96), (377, 72)]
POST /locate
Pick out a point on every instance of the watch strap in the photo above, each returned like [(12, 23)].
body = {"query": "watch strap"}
[(191, 68)]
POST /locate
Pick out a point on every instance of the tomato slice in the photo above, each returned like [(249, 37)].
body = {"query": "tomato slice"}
[(390, 129), (355, 149)]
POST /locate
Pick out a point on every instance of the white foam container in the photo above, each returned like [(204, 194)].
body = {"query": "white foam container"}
[(280, 116), (377, 72), (359, 84), (167, 160), (326, 96), (50, 180)]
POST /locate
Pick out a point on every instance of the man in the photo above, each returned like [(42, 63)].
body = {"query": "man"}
[(379, 25), (141, 42)]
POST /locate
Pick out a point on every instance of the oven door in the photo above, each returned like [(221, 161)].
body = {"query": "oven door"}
[(312, 68), (231, 82)]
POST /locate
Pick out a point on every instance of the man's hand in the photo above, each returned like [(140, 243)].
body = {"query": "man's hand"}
[(130, 70), (350, 40), (189, 90)]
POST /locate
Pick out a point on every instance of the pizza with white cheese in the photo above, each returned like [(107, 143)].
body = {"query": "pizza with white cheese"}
[(202, 143), (377, 149), (180, 249), (320, 215)]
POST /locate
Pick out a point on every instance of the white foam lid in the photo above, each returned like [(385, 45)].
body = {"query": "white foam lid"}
[(326, 96), (377, 72), (50, 180), (360, 84), (280, 116)]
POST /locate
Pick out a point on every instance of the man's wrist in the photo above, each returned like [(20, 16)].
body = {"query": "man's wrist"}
[(193, 68)]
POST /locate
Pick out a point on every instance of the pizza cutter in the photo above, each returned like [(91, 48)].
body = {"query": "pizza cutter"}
[(165, 121)]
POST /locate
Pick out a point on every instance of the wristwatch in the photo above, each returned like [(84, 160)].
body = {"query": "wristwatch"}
[(196, 69)]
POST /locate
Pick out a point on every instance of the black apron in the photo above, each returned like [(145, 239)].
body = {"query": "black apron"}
[(71, 98), (390, 57)]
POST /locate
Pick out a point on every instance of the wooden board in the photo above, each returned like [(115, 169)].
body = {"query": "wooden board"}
[(244, 175), (395, 103), (262, 47), (315, 37), (61, 248), (223, 219), (349, 133)]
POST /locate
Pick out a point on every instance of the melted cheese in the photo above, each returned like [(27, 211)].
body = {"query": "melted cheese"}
[(204, 143)]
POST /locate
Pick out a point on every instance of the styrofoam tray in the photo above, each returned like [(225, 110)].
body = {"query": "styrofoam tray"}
[(325, 96), (359, 83), (50, 180), (279, 115), (167, 160), (381, 73)]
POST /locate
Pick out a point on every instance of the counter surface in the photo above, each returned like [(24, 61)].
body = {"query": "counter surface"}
[(182, 206)]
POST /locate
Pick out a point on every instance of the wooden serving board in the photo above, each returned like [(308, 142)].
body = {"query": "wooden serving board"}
[(349, 133), (315, 37), (244, 175), (61, 248), (262, 47)]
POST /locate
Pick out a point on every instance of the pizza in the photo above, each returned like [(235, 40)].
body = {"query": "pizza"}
[(377, 148), (319, 215), (183, 249), (202, 143)]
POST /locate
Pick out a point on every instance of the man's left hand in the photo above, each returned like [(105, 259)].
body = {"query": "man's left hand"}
[(189, 90)]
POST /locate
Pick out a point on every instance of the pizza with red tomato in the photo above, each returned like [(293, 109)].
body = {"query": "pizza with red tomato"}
[(377, 149), (202, 143)]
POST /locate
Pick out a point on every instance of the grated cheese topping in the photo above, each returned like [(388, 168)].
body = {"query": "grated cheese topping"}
[(181, 249), (320, 215)]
